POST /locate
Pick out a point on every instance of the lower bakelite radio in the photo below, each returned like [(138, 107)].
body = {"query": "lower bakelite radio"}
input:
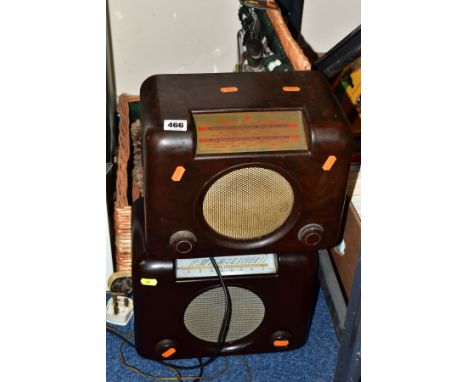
[(179, 304)]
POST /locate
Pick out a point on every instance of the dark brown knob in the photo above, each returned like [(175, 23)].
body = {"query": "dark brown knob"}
[(183, 241), (281, 339), (311, 234), (166, 348)]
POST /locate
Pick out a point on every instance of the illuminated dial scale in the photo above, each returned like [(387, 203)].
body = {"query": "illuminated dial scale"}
[(228, 265), (237, 132)]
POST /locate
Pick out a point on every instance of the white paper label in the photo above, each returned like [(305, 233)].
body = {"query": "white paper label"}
[(175, 124)]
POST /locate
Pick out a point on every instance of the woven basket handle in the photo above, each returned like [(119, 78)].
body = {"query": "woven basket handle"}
[(124, 149), (295, 54)]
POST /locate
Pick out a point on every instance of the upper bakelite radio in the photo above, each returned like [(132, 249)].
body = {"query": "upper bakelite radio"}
[(242, 163)]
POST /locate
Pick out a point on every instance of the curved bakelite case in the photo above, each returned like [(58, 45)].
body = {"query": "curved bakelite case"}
[(176, 176), (289, 298)]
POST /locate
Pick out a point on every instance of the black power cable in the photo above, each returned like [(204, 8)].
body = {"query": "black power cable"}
[(224, 326), (171, 368), (221, 337)]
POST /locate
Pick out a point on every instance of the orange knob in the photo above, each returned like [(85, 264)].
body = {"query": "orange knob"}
[(280, 343), (168, 353)]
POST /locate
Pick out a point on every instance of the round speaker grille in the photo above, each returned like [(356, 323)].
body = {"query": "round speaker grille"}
[(204, 315), (248, 203)]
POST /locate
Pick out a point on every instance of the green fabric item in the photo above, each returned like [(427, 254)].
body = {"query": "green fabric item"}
[(273, 40), (134, 110)]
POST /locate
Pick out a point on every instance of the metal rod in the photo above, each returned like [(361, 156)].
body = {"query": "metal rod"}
[(332, 291), (348, 365)]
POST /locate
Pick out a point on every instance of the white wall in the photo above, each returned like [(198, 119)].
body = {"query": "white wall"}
[(171, 36), (188, 36), (326, 22)]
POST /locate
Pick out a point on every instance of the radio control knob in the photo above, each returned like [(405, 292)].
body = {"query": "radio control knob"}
[(183, 241), (281, 339), (311, 234), (166, 348)]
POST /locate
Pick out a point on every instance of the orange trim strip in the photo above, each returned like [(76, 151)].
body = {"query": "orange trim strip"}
[(329, 163), (280, 343), (228, 89), (291, 89), (168, 353), (178, 174)]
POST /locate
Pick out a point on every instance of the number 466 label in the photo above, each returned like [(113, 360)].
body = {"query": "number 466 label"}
[(175, 124)]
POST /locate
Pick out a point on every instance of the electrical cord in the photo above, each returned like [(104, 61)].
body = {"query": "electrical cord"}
[(126, 341), (224, 326), (221, 337), (247, 368), (183, 378)]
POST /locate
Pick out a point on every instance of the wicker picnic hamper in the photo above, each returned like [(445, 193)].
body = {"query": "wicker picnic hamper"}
[(122, 211)]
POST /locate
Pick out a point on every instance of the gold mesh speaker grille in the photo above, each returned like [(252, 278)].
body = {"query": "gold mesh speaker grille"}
[(204, 315), (248, 203)]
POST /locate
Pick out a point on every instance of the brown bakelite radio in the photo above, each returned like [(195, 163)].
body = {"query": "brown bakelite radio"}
[(249, 168), (241, 163), (179, 304)]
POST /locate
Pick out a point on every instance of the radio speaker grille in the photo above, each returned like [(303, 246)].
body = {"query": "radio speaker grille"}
[(248, 203), (204, 315)]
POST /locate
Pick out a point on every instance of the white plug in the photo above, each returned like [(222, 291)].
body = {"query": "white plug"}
[(119, 310)]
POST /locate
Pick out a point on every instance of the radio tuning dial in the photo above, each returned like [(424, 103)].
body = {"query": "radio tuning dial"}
[(183, 242), (311, 234)]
